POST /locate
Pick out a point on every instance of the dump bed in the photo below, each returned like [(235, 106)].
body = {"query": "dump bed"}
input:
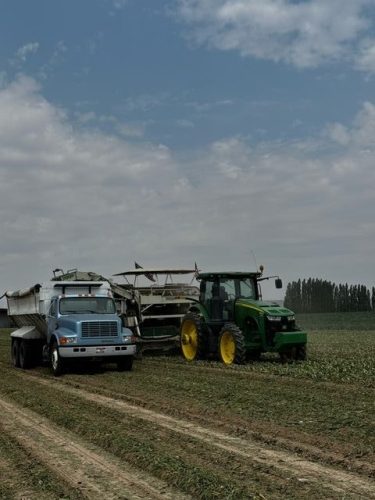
[(29, 306)]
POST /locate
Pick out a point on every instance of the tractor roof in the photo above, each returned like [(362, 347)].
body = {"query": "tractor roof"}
[(230, 274), (164, 270)]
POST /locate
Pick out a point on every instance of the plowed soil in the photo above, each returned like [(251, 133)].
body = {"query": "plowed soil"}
[(177, 430)]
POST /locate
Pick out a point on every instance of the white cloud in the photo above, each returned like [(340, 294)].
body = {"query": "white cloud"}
[(87, 199), (305, 34), (119, 4), (131, 129), (365, 60), (337, 132), (86, 117), (184, 123), (145, 102), (23, 52), (361, 135)]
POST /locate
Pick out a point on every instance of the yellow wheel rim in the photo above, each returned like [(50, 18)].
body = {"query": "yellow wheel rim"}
[(189, 340), (227, 348)]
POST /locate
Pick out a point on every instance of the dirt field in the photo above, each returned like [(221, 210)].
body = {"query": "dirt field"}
[(177, 430)]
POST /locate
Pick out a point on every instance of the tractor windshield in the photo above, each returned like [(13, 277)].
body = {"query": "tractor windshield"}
[(228, 288), (235, 288)]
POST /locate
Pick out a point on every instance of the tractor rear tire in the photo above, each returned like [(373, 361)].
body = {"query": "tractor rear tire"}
[(192, 337), (232, 345)]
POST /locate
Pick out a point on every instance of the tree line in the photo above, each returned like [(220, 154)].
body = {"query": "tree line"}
[(317, 295)]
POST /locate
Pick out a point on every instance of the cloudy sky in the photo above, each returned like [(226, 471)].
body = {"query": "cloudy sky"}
[(171, 132)]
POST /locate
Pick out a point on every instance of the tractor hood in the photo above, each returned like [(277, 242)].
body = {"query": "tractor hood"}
[(268, 308)]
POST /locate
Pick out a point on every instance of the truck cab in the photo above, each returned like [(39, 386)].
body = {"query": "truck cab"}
[(67, 322)]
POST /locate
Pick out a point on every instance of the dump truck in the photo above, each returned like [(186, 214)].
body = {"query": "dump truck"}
[(231, 321), (67, 322)]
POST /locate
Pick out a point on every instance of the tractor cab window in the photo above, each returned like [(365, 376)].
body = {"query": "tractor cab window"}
[(227, 289), (234, 288), (206, 291), (247, 288)]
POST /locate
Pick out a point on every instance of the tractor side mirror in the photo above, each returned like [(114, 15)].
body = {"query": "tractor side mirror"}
[(278, 283)]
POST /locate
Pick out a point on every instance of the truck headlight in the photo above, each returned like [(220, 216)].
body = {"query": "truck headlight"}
[(68, 340), (274, 318), (128, 338)]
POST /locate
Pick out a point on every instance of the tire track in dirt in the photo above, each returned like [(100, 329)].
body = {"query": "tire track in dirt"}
[(303, 469), (95, 473)]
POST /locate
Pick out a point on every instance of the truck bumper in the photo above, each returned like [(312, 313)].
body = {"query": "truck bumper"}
[(102, 351)]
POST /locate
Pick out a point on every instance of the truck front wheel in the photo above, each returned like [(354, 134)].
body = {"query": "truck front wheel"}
[(125, 364), (57, 362)]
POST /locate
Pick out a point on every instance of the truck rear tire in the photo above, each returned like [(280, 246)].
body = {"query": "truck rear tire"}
[(25, 354), (16, 353), (57, 363), (125, 364)]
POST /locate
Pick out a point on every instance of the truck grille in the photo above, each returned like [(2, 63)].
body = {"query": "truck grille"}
[(99, 329)]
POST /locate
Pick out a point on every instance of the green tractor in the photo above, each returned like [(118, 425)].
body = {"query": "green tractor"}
[(231, 320)]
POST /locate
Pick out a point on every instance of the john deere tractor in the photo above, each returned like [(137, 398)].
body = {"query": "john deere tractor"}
[(230, 320)]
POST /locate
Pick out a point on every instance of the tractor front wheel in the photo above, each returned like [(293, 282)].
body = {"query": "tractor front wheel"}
[(301, 353), (232, 345), (297, 353), (192, 340)]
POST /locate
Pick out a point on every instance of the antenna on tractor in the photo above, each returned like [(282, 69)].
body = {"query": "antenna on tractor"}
[(255, 262)]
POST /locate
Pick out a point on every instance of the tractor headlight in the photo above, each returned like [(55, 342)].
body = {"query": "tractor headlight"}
[(274, 318), (291, 318)]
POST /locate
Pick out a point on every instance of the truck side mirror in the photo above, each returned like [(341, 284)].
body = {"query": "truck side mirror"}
[(278, 283)]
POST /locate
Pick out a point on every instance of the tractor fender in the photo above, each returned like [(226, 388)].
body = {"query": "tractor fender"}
[(201, 310)]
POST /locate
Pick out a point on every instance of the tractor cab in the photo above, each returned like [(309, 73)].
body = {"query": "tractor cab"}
[(219, 292)]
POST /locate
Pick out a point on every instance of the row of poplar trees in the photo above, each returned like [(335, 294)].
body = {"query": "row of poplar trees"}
[(317, 295)]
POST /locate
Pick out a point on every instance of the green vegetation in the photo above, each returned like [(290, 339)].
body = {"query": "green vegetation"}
[(321, 409), (36, 480), (353, 321)]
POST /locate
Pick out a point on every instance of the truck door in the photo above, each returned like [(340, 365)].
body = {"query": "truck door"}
[(51, 318)]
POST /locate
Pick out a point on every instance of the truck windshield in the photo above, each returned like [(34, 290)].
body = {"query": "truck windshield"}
[(87, 305)]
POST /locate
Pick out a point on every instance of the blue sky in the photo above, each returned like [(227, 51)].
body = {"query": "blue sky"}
[(180, 131)]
